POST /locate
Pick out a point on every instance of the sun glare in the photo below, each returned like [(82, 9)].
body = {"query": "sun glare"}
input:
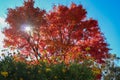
[(27, 28)]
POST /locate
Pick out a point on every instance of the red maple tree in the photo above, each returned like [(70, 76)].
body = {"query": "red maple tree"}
[(70, 36), (19, 19), (61, 35)]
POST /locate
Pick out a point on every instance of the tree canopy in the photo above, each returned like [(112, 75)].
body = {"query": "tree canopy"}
[(62, 35)]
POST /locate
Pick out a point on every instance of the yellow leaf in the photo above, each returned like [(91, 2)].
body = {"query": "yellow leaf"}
[(48, 69), (5, 74), (87, 49)]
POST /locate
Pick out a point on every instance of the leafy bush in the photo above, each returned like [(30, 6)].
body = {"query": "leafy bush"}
[(12, 70)]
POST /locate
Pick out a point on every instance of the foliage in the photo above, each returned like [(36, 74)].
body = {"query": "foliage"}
[(18, 19), (73, 37), (12, 70), (63, 35), (114, 74), (54, 37), (111, 71)]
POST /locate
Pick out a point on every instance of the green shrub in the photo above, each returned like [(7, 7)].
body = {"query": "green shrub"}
[(12, 70)]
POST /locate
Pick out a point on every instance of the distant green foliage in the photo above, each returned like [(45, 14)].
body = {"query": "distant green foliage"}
[(11, 70)]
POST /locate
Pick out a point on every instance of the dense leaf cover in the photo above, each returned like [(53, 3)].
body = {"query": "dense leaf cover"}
[(12, 70), (62, 35)]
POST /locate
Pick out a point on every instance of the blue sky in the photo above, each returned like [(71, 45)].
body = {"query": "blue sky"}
[(107, 13)]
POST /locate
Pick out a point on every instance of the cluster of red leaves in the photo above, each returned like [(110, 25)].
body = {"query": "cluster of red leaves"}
[(63, 34), (69, 33)]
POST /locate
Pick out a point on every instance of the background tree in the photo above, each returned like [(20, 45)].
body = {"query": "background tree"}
[(112, 70)]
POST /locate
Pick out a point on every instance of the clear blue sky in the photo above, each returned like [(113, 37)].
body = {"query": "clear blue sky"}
[(107, 13)]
